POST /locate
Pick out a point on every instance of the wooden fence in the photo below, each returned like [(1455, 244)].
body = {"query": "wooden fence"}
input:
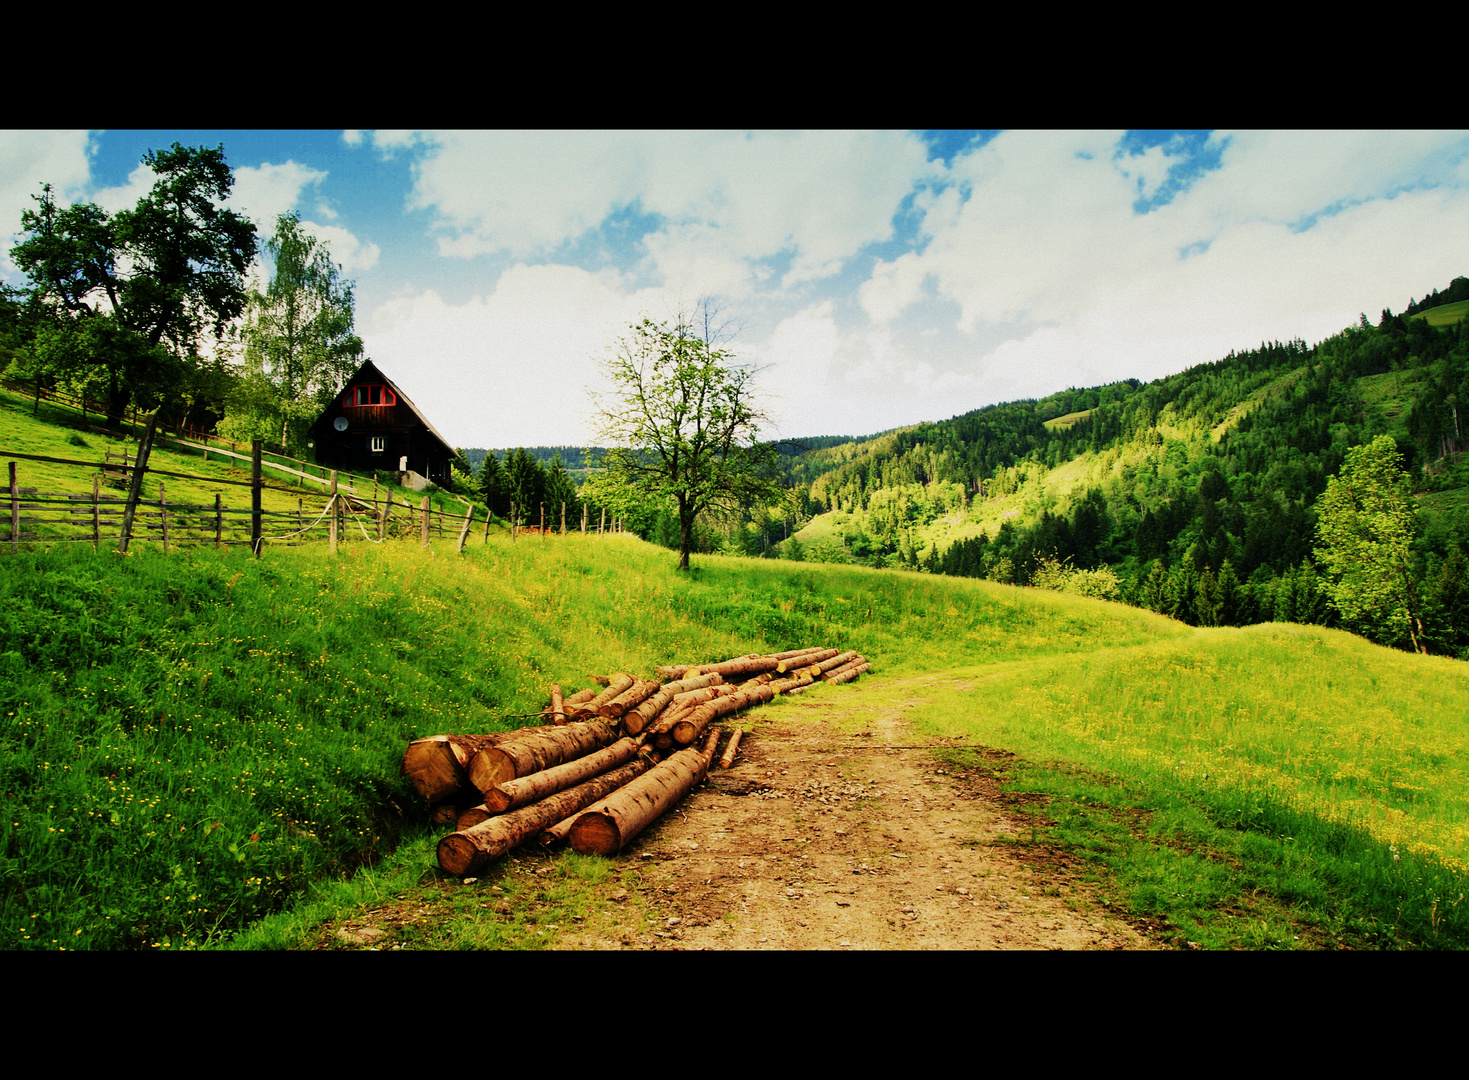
[(108, 515)]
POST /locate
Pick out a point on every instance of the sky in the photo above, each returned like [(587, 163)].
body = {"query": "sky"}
[(872, 278)]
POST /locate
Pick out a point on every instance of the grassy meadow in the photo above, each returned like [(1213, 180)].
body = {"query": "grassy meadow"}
[(190, 743), (60, 432)]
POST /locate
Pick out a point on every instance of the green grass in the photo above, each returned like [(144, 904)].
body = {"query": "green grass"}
[(188, 741), (1066, 421), (1445, 314), (60, 433), (204, 745), (1306, 765)]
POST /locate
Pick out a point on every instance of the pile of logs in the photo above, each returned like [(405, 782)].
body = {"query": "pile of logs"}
[(606, 763)]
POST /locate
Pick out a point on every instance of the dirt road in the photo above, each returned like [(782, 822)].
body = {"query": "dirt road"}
[(835, 830)]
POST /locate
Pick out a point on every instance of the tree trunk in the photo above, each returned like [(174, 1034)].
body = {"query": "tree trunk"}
[(607, 827), (436, 765), (463, 853), (501, 764), (685, 534), (533, 788)]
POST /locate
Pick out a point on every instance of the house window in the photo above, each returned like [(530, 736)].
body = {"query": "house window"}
[(370, 394), (379, 443)]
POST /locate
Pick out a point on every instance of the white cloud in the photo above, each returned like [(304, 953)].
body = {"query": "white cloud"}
[(29, 159), (264, 192), (124, 197), (1287, 176), (795, 363), (352, 254), (723, 200), (511, 368)]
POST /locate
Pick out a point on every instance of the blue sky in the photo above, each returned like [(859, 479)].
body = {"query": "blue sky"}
[(877, 278)]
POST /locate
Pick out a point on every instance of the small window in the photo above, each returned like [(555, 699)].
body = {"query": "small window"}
[(369, 394), (379, 443)]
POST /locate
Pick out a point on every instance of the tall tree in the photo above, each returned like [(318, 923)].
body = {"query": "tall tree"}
[(1364, 531), (682, 427), (300, 343), (135, 294)]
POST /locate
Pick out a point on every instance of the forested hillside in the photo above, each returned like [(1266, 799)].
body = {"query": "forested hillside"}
[(1194, 495)]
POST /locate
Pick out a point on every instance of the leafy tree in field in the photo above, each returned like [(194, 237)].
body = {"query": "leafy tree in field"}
[(129, 298), (1364, 532), (681, 428), (300, 344)]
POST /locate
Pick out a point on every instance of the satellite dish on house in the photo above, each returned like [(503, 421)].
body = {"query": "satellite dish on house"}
[(340, 423)]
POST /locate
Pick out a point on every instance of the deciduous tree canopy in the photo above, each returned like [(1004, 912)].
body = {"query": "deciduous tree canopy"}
[(130, 297), (1364, 528), (682, 427), (300, 344)]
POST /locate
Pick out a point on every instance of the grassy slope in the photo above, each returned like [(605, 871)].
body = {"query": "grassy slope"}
[(60, 433), (1445, 314), (187, 742)]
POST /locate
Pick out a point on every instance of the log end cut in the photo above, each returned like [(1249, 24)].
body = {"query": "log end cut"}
[(595, 833), (459, 856)]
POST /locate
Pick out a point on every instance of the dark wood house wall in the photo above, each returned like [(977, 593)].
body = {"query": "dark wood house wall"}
[(370, 437)]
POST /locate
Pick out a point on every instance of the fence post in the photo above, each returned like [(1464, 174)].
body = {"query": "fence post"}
[(255, 492), (218, 523), (424, 530), (382, 525), (583, 519), (603, 526), (135, 485), (14, 511), (543, 521), (513, 520), (563, 517), (464, 532), (331, 529), (162, 518), (96, 509)]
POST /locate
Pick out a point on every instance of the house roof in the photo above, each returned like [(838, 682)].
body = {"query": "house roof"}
[(370, 372)]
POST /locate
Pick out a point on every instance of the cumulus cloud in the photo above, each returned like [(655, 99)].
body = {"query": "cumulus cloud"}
[(264, 192), (510, 368), (29, 159), (809, 200), (352, 254)]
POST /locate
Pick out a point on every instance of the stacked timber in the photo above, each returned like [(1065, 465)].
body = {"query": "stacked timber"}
[(606, 763)]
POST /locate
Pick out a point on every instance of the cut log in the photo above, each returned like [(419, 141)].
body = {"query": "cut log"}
[(558, 713), (805, 660), (472, 817), (688, 730), (500, 764), (729, 751), (537, 786), (620, 681), (799, 652), (581, 697), (848, 674), (436, 765), (788, 686), (852, 662), (467, 852), (839, 661), (635, 695), (606, 827)]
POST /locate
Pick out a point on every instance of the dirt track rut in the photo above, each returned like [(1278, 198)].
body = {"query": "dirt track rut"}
[(834, 830)]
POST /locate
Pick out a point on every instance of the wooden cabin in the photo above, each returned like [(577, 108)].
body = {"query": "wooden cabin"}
[(371, 426)]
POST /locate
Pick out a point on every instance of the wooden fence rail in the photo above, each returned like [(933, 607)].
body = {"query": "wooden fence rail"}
[(103, 516)]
